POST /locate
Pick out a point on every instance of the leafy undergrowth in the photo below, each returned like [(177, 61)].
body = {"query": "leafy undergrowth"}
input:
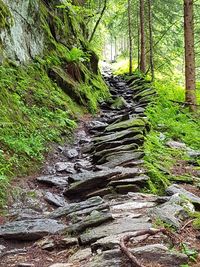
[(170, 121), (36, 112)]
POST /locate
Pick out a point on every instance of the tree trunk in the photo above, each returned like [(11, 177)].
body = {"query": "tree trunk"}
[(143, 38), (130, 39), (190, 79), (98, 21), (151, 40)]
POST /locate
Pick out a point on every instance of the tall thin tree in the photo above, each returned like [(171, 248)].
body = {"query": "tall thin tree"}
[(130, 38), (151, 40), (143, 38), (190, 76)]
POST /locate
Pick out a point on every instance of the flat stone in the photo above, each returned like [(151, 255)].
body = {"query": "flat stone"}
[(118, 226), (171, 214), (120, 158), (62, 265), (133, 122), (81, 255), (139, 110), (30, 229), (48, 243), (154, 254), (54, 199), (176, 145), (82, 165), (174, 189), (193, 153), (74, 207), (97, 125), (71, 153), (65, 167), (92, 180), (94, 219), (54, 180), (136, 180), (131, 206), (118, 135)]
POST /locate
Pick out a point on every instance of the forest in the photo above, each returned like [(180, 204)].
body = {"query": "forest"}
[(100, 133)]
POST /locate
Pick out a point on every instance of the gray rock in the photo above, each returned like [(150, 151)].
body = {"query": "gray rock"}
[(54, 199), (176, 145), (2, 248), (139, 110), (94, 219), (71, 153), (48, 243), (92, 180), (65, 167), (30, 229), (174, 189), (62, 265), (54, 180), (136, 180), (170, 213), (155, 253), (193, 153), (81, 255), (119, 226), (120, 158), (83, 164), (74, 207)]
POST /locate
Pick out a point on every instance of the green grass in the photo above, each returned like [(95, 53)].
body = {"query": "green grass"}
[(34, 113), (173, 122)]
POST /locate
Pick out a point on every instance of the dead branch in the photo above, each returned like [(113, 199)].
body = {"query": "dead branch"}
[(124, 240)]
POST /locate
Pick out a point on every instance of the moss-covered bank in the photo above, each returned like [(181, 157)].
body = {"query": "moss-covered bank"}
[(42, 99)]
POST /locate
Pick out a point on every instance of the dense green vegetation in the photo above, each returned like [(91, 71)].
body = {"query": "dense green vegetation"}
[(42, 101)]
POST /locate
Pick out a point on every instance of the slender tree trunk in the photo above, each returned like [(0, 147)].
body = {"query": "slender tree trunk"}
[(138, 38), (151, 40), (190, 79), (143, 38), (130, 39), (98, 21)]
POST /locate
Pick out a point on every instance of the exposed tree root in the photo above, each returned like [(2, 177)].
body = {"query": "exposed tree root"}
[(124, 240)]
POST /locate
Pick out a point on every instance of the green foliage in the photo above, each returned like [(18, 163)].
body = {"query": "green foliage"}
[(34, 112), (190, 252), (173, 122), (76, 55), (5, 16)]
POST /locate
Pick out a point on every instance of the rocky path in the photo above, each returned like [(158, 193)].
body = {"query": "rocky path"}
[(77, 212)]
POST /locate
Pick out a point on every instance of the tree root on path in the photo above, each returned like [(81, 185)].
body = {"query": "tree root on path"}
[(124, 240)]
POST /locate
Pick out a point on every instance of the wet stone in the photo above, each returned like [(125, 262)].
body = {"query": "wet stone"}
[(174, 189), (74, 207), (54, 199), (118, 226), (30, 229), (71, 153), (65, 167), (156, 253), (54, 180)]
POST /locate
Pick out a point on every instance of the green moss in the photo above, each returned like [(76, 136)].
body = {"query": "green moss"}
[(5, 16)]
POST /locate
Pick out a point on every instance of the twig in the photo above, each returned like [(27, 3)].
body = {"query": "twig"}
[(185, 225), (13, 251), (124, 240), (184, 103)]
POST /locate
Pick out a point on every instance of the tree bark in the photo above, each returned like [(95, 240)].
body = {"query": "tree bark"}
[(151, 40), (130, 39), (143, 38), (190, 77)]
